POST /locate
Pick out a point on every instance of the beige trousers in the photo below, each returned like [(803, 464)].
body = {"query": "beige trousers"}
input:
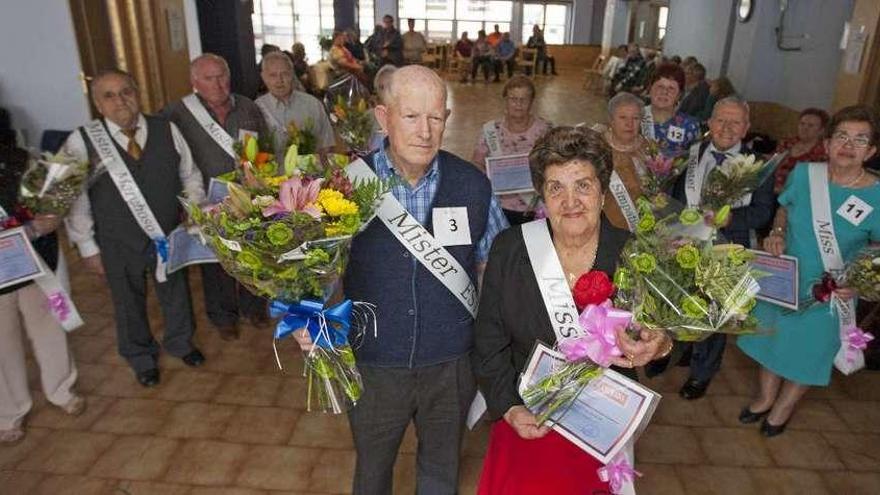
[(27, 307)]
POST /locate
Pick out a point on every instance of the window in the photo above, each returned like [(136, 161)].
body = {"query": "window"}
[(281, 23), (366, 18), (447, 19), (662, 16), (552, 18)]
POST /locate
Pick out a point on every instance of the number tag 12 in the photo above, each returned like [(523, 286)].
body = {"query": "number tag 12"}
[(451, 227), (854, 210)]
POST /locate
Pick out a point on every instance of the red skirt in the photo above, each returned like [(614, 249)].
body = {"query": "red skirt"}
[(549, 465)]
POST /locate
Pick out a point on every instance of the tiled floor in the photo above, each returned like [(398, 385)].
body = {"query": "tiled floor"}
[(238, 425)]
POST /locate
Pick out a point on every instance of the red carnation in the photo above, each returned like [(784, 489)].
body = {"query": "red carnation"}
[(823, 290), (593, 287)]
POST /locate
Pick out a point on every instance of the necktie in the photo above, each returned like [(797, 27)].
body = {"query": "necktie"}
[(719, 157), (134, 149)]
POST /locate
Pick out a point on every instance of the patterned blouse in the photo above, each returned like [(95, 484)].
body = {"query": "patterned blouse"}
[(815, 154), (677, 134)]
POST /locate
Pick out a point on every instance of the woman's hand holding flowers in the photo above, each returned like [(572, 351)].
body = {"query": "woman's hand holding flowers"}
[(525, 423), (774, 244), (303, 338), (652, 344)]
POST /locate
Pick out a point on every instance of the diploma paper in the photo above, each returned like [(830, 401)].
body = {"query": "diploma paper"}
[(779, 283), (18, 260), (186, 249), (609, 413), (509, 174)]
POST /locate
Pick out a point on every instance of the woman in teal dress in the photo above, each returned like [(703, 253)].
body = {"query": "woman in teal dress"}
[(799, 350)]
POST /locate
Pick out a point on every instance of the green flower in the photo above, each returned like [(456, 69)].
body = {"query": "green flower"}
[(279, 234), (690, 216), (317, 256), (645, 263), (688, 257), (644, 206), (249, 260), (749, 306), (694, 306), (649, 304), (721, 216), (646, 223), (623, 278), (683, 335), (738, 255)]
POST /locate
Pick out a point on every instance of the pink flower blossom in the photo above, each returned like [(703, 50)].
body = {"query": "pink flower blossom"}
[(659, 165), (296, 195)]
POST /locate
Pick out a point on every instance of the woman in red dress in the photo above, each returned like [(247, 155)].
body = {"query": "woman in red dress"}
[(571, 169)]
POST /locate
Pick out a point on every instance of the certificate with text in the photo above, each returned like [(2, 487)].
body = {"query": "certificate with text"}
[(509, 174), (18, 260), (186, 249), (778, 280), (609, 413), (217, 190)]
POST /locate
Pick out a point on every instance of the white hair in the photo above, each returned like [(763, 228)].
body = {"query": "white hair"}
[(732, 100), (193, 66), (414, 75), (624, 98)]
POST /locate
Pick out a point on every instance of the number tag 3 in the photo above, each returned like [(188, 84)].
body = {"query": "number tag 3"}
[(451, 227), (854, 210)]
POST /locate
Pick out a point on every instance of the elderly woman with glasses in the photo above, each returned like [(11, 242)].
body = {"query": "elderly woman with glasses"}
[(661, 122), (512, 134), (825, 218)]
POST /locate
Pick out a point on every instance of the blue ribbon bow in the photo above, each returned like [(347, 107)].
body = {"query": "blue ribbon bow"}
[(308, 313), (161, 248)]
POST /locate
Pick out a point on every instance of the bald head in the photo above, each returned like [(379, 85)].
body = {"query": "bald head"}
[(405, 79)]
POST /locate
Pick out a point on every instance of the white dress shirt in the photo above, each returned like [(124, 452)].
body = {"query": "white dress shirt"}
[(80, 223)]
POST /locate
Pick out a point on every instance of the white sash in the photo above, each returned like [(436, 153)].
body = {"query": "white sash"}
[(624, 201), (648, 123), (493, 140), (130, 192), (269, 115), (418, 241), (217, 133), (832, 261), (695, 175), (551, 280), (60, 304)]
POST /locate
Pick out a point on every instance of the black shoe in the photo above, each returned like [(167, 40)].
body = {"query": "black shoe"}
[(693, 389), (148, 378), (194, 359), (769, 430), (747, 416)]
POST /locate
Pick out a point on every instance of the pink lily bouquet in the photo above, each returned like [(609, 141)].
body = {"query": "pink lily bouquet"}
[(657, 173)]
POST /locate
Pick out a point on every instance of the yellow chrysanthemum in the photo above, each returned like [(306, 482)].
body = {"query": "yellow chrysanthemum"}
[(275, 181), (334, 203)]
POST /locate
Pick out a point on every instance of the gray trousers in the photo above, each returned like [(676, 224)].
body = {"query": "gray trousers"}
[(127, 271), (436, 398)]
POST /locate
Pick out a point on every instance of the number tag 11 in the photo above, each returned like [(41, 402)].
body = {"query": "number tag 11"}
[(451, 227), (854, 210)]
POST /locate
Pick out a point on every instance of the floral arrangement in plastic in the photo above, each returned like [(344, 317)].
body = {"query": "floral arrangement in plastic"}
[(683, 283), (737, 176), (52, 183), (863, 274), (347, 102), (287, 237), (657, 173)]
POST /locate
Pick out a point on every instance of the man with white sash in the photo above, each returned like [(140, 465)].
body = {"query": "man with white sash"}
[(284, 104), (419, 262), (753, 212), (139, 167), (23, 308), (212, 119)]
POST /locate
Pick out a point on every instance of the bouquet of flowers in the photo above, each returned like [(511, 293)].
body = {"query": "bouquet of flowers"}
[(52, 183), (735, 177), (347, 102), (286, 237), (682, 283), (303, 138), (658, 172), (863, 274)]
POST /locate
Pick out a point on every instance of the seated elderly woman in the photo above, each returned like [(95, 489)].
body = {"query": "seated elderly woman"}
[(513, 134), (674, 130), (801, 350), (343, 61), (570, 167), (807, 146), (627, 151)]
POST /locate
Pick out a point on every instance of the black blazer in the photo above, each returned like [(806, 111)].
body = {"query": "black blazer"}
[(512, 315)]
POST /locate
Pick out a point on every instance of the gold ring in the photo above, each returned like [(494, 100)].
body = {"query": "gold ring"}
[(631, 363)]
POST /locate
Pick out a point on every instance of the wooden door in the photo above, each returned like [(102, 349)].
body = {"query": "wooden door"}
[(93, 36)]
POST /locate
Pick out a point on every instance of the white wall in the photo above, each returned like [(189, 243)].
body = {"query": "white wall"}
[(39, 80), (193, 35), (620, 22), (582, 22), (698, 28)]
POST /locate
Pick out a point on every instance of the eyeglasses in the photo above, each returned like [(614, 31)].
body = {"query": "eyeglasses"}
[(843, 139)]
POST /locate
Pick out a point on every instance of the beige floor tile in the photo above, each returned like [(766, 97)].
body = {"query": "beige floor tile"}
[(293, 393), (333, 472), (206, 462), (715, 480), (727, 409), (91, 376), (67, 452), (833, 391), (658, 479), (240, 358), (669, 445), (673, 410), (818, 415), (121, 382), (199, 490), (803, 449), (735, 358), (469, 474), (20, 482), (864, 385), (410, 444), (265, 425), (50, 416), (150, 488), (733, 447), (96, 324), (858, 451), (191, 385), (476, 441), (846, 483), (776, 481), (860, 416), (405, 474), (257, 390), (10, 455), (322, 430), (197, 420), (74, 485), (91, 349), (278, 468), (742, 381), (135, 458), (134, 416)]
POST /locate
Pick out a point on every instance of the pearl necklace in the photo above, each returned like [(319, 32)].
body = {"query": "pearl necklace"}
[(616, 147), (856, 180)]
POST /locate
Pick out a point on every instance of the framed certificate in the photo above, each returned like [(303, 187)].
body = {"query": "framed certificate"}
[(779, 283), (610, 412), (18, 260), (509, 174), (217, 190), (186, 249)]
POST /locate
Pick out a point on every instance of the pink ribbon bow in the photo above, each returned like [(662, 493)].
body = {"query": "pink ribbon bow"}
[(58, 305), (599, 343), (617, 473), (856, 341)]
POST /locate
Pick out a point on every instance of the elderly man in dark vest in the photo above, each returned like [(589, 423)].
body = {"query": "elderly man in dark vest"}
[(727, 126), (419, 263), (140, 165), (211, 119)]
